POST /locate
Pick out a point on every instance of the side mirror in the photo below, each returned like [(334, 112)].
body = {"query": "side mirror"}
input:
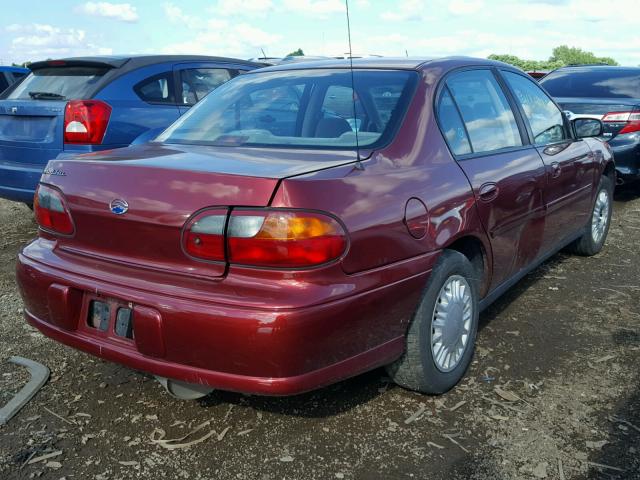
[(587, 127)]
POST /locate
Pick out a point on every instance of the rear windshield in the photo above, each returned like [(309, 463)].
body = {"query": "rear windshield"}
[(300, 108), (59, 83), (601, 82)]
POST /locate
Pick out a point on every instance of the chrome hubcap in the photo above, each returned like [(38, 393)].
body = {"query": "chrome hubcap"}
[(451, 323), (600, 216)]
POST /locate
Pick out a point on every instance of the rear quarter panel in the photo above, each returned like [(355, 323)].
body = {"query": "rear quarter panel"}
[(371, 201)]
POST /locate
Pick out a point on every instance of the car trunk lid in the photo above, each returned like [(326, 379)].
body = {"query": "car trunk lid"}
[(599, 108), (33, 124), (163, 186)]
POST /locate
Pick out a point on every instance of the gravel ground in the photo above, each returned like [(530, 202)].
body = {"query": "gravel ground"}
[(554, 392)]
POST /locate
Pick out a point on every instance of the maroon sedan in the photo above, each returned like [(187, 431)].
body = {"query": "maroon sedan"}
[(289, 232)]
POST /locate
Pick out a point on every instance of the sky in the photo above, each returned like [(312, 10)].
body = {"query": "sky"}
[(34, 30)]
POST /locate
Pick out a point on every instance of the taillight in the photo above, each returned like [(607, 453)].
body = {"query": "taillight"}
[(51, 211), (284, 238), (203, 236), (85, 121), (632, 120), (274, 238)]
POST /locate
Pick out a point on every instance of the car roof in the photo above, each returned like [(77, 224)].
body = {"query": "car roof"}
[(136, 61), (11, 68), (386, 63), (597, 67)]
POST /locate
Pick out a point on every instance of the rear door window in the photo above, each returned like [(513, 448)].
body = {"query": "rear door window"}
[(157, 89), (601, 82), (544, 118), (59, 83), (452, 126), (198, 82), (485, 111)]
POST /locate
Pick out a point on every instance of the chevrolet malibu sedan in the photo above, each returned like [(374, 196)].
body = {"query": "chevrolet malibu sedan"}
[(305, 223)]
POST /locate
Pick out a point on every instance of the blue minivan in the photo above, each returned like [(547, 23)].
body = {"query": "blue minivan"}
[(79, 105)]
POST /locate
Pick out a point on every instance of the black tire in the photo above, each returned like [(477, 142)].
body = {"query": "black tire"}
[(30, 205), (587, 245), (417, 369)]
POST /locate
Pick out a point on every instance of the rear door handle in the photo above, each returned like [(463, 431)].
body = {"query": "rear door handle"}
[(556, 170), (488, 192)]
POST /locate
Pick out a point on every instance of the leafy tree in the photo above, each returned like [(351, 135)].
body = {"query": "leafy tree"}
[(572, 55), (296, 53), (561, 56), (526, 64)]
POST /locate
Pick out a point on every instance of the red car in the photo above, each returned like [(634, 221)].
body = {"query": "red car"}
[(289, 232)]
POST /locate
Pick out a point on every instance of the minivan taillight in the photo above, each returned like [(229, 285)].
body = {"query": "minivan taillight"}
[(85, 121), (51, 211), (284, 238), (631, 119), (273, 238)]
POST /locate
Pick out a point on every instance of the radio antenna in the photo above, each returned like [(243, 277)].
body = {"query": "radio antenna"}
[(353, 89)]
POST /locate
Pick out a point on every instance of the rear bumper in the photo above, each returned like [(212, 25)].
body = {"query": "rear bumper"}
[(18, 182), (268, 351), (626, 153)]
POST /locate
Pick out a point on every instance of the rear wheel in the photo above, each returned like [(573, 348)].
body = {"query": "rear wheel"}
[(592, 241), (442, 334)]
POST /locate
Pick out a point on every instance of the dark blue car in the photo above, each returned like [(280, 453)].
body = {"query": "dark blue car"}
[(611, 94), (10, 75), (77, 105)]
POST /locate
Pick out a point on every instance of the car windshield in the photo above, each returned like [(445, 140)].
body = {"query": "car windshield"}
[(600, 83), (58, 83), (299, 108)]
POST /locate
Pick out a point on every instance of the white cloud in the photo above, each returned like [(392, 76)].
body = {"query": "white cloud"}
[(318, 8), (244, 8), (465, 7), (424, 10), (230, 39), (40, 41), (176, 15), (407, 10), (117, 11)]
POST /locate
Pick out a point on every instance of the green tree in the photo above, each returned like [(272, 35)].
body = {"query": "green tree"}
[(561, 56), (526, 64), (572, 55), (296, 53)]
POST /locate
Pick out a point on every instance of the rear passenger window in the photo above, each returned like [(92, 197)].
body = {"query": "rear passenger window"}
[(198, 82), (485, 111), (451, 125), (157, 89), (545, 119), (3, 82)]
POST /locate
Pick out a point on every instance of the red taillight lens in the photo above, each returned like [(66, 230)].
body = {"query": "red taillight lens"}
[(51, 211), (85, 121), (631, 119), (275, 238), (204, 236), (284, 238)]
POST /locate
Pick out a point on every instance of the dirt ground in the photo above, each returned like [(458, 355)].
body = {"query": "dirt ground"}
[(554, 392)]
